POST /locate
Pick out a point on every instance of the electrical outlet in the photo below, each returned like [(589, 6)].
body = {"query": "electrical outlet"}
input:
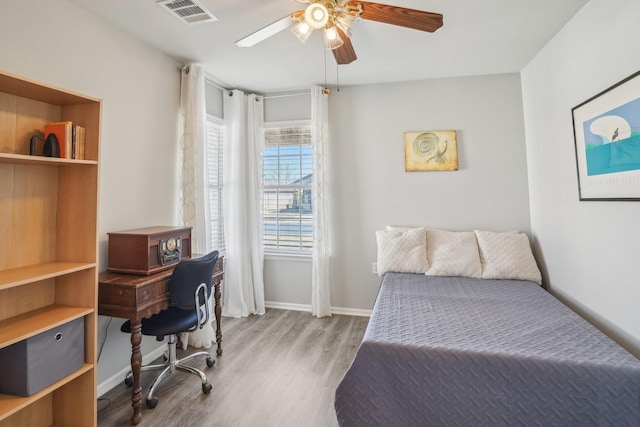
[(374, 268)]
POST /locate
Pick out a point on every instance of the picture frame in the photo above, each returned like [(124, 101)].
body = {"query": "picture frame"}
[(606, 130), (431, 150)]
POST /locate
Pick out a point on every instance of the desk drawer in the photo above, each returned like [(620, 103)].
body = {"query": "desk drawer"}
[(153, 291), (130, 296)]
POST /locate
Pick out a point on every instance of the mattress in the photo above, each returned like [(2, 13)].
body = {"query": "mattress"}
[(456, 351)]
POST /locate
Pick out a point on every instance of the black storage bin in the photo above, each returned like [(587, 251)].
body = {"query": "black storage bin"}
[(30, 365)]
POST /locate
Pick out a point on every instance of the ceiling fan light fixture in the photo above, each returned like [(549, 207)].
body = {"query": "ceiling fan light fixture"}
[(316, 15), (339, 15), (343, 21), (302, 31), (332, 39)]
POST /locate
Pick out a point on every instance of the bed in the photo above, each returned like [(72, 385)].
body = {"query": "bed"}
[(474, 351)]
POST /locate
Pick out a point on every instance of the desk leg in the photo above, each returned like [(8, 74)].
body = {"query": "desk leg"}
[(218, 310), (136, 364)]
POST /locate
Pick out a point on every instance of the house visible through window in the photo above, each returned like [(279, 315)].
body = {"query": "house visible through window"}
[(287, 162), (215, 139)]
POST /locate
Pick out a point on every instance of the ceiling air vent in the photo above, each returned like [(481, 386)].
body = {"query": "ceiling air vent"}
[(187, 11)]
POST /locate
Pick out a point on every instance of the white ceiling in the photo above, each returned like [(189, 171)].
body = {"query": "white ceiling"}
[(478, 37)]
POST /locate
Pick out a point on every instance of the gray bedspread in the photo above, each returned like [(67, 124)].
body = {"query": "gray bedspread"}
[(454, 351)]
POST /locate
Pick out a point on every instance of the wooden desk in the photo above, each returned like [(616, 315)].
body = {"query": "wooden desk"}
[(136, 297)]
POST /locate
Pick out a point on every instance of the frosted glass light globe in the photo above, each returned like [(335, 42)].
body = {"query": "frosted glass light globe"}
[(316, 15)]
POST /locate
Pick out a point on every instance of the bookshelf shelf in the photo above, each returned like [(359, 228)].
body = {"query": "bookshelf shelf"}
[(29, 324), (33, 273), (24, 159), (9, 405), (48, 270)]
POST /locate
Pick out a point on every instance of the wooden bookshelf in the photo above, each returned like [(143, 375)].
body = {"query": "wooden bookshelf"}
[(48, 270)]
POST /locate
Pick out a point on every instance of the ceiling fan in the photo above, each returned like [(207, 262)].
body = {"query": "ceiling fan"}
[(334, 18)]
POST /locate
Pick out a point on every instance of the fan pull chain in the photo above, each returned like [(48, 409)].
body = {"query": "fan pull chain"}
[(337, 77), (326, 90), (325, 67)]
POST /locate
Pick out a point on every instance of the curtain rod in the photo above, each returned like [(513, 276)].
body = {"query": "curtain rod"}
[(209, 80), (214, 84), (284, 95)]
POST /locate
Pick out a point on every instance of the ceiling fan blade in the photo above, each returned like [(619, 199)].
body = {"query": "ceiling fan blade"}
[(266, 32), (345, 53), (395, 15)]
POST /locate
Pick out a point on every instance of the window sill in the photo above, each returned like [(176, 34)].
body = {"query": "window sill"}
[(287, 256)]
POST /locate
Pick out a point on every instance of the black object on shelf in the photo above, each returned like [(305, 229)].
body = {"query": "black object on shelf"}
[(51, 146)]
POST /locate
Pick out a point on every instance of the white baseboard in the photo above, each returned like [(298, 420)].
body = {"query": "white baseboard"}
[(118, 378), (307, 307), (351, 311), (287, 306)]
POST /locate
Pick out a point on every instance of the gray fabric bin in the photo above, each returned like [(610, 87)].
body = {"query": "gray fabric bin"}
[(37, 362)]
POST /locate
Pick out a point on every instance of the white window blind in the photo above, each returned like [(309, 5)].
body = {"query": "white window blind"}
[(215, 139), (287, 161)]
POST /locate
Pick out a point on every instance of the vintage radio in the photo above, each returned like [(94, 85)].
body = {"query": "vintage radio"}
[(148, 250)]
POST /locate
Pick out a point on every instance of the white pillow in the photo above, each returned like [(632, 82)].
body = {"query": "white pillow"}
[(402, 251), (507, 256), (453, 253), (399, 227)]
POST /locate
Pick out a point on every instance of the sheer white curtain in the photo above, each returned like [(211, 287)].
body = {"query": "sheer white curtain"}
[(242, 196), (321, 267), (194, 201), (192, 128)]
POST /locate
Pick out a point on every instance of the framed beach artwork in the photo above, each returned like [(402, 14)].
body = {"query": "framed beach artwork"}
[(607, 142), (430, 151)]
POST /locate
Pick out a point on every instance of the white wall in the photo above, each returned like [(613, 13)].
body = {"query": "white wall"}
[(213, 100), (58, 43), (590, 249), (288, 106), (372, 189)]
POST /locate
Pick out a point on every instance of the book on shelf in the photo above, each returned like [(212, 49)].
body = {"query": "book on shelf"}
[(74, 138), (71, 138), (77, 142), (80, 142), (64, 132)]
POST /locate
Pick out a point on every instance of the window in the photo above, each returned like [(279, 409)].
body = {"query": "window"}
[(215, 140), (287, 177)]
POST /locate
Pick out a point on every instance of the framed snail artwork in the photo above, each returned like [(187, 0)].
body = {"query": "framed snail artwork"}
[(430, 150)]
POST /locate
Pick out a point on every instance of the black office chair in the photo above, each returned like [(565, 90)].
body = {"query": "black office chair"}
[(189, 290)]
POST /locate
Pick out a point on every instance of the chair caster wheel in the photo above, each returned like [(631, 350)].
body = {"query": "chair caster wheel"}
[(206, 388), (152, 403), (128, 381), (210, 362)]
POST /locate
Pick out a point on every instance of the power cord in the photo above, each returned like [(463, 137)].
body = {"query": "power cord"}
[(106, 332)]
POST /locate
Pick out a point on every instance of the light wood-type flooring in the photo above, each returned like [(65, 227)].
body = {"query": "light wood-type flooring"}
[(280, 369)]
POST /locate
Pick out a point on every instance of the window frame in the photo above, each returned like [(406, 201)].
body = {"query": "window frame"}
[(285, 253), (218, 122)]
